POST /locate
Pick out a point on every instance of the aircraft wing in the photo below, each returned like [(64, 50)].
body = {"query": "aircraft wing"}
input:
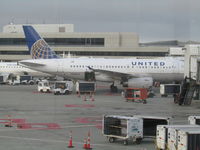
[(30, 64), (116, 74)]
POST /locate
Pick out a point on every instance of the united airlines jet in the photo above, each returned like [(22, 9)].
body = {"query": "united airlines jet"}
[(10, 69), (129, 72)]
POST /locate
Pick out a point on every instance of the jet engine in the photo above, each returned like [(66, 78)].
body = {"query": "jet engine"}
[(143, 82)]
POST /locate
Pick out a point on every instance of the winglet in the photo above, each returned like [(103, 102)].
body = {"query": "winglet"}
[(37, 46)]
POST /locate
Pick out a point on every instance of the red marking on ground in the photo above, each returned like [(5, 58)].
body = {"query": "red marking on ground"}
[(17, 121), (90, 120), (99, 126), (80, 106), (39, 126)]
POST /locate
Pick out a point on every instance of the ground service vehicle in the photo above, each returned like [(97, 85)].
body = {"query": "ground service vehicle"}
[(44, 86), (62, 87)]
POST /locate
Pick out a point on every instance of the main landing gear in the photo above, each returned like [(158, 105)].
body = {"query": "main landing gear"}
[(113, 88)]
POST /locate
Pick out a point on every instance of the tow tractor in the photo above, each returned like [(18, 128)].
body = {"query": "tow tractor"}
[(63, 87)]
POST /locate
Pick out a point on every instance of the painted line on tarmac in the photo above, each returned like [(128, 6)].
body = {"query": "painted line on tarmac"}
[(78, 126)]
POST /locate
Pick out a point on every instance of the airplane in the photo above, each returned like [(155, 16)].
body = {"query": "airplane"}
[(10, 69), (130, 72)]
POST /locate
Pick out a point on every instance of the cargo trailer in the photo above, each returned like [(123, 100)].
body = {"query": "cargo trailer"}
[(188, 140), (150, 124), (169, 89), (194, 120), (162, 134), (85, 87), (122, 127), (173, 136), (133, 128)]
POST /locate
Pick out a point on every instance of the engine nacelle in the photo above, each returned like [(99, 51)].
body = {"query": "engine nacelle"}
[(143, 82)]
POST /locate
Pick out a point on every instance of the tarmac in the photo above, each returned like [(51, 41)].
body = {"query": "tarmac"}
[(43, 121)]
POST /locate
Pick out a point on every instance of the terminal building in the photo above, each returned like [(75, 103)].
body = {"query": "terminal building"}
[(63, 39)]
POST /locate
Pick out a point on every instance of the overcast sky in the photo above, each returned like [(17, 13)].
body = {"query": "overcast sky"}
[(153, 20)]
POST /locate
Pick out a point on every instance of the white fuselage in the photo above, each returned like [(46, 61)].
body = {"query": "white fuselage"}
[(167, 70), (15, 69)]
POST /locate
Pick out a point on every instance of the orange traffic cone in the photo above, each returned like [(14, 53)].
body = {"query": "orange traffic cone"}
[(70, 145), (88, 142), (85, 144)]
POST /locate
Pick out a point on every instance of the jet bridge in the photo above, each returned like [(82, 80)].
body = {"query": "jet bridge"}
[(191, 84)]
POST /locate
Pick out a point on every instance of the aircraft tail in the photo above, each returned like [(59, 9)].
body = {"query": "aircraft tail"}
[(37, 46)]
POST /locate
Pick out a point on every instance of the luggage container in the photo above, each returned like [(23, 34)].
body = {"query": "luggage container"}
[(162, 135), (3, 79), (188, 140), (172, 143), (194, 120), (26, 79), (122, 127), (169, 89), (85, 87), (136, 94), (150, 124), (144, 125)]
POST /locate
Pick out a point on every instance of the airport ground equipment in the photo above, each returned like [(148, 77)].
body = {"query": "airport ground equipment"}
[(85, 87), (21, 79), (136, 94), (122, 127), (188, 140), (162, 134), (3, 79), (133, 128), (173, 137), (188, 88), (44, 86), (62, 87), (194, 120), (169, 89), (26, 79)]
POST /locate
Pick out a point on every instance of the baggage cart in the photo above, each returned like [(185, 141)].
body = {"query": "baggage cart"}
[(172, 143), (169, 89), (150, 124), (188, 140), (85, 87), (136, 94), (194, 120), (162, 135), (121, 127)]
